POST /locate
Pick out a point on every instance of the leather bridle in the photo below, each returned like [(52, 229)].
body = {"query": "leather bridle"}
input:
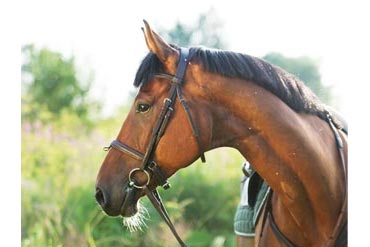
[(148, 166)]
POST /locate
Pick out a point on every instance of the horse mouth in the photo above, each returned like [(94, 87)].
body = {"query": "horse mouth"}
[(129, 203)]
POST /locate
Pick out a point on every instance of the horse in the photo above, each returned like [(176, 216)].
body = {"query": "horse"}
[(194, 100)]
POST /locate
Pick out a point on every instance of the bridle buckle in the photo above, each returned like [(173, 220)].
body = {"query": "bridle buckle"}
[(159, 175)]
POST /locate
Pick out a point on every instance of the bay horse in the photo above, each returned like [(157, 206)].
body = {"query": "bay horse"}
[(194, 100)]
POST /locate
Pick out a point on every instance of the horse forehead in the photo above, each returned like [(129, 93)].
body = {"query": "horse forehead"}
[(154, 87)]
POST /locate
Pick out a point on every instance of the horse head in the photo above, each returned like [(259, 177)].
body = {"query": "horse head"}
[(174, 143)]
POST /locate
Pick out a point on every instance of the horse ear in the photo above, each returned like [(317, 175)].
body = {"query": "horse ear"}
[(159, 46)]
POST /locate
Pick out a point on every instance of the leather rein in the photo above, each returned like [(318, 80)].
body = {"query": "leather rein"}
[(148, 166)]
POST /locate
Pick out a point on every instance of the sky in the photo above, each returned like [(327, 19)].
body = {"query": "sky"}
[(105, 37)]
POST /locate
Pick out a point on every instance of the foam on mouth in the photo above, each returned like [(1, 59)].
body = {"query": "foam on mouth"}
[(137, 221)]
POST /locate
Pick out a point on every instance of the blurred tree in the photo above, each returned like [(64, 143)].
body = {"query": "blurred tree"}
[(206, 31), (304, 68), (49, 80)]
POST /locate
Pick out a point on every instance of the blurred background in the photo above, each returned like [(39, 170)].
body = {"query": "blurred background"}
[(78, 63)]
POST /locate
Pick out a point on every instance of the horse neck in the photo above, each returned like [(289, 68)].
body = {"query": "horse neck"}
[(294, 153)]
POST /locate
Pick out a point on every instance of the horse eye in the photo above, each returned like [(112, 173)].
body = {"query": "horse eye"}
[(142, 108)]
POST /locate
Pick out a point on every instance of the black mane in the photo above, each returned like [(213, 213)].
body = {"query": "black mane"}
[(285, 86)]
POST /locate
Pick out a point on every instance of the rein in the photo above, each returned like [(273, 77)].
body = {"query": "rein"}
[(149, 166)]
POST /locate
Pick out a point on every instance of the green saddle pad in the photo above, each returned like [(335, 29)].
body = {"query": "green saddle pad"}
[(247, 215)]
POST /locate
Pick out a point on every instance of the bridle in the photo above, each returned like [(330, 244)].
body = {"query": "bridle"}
[(148, 166)]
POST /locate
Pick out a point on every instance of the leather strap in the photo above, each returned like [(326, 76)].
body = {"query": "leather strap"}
[(158, 173), (192, 124), (182, 65), (342, 218), (267, 216), (127, 150), (281, 237), (156, 200)]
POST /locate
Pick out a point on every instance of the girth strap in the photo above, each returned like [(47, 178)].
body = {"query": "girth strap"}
[(282, 238), (275, 229)]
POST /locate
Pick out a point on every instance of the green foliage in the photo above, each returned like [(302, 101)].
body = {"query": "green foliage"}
[(50, 81), (305, 69), (206, 31), (57, 174), (216, 181)]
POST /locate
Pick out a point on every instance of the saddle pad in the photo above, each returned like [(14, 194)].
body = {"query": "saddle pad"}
[(247, 214)]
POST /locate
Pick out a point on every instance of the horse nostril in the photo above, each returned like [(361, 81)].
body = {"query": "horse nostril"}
[(99, 196)]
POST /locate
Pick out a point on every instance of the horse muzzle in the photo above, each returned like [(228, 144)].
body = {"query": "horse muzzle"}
[(125, 204)]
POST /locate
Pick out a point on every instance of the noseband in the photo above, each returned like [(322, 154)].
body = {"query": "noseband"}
[(148, 166)]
